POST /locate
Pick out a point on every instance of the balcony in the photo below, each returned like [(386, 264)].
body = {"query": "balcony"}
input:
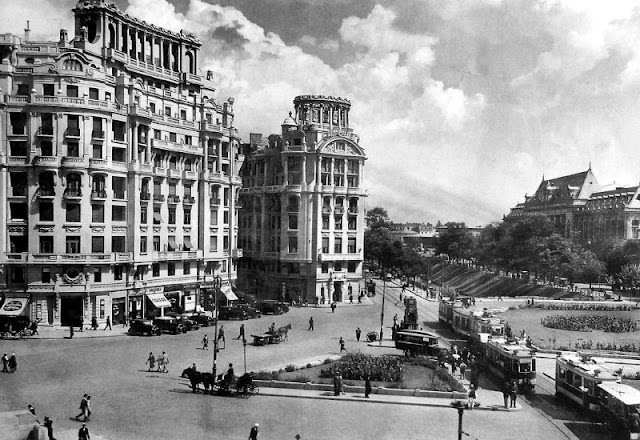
[(47, 161), (99, 164), (325, 256), (72, 193), (193, 175), (120, 195), (353, 210), (72, 133), (74, 162), (15, 257), (326, 210), (158, 197), (175, 173), (99, 194), (136, 110), (215, 200), (97, 134), (338, 210), (174, 146), (45, 192), (172, 198), (67, 101), (145, 195), (159, 171), (188, 200), (18, 160), (236, 253), (190, 78), (45, 130)]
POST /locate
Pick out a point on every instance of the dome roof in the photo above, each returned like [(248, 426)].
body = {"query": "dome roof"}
[(289, 121)]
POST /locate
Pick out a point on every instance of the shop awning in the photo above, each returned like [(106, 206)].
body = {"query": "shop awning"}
[(187, 243), (14, 306), (159, 300), (226, 289), (172, 244)]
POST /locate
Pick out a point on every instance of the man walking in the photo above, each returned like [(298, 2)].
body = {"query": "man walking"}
[(5, 363), (151, 360), (506, 389), (221, 336), (205, 342), (241, 335), (108, 323), (341, 344), (83, 433), (513, 394), (358, 333), (472, 396), (48, 424), (253, 434), (310, 324), (333, 307), (83, 409)]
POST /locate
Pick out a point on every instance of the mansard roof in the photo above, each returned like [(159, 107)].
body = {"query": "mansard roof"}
[(564, 189)]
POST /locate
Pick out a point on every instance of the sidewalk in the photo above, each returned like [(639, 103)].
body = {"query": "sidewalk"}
[(48, 332)]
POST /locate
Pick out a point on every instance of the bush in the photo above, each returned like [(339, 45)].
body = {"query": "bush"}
[(309, 365), (266, 375), (327, 361), (609, 346), (300, 378), (586, 323), (289, 368), (356, 366)]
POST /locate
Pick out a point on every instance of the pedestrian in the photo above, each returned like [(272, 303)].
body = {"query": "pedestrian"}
[(32, 410), (472, 396), (333, 307), (253, 434), (108, 324), (83, 408), (360, 297), (336, 391), (151, 360), (340, 384), (463, 368), (351, 298), (241, 335), (94, 323), (5, 363), (34, 328), (13, 363), (395, 320), (88, 407), (81, 322), (453, 367), (367, 386), (165, 362), (205, 342), (83, 433), (513, 394), (221, 336), (358, 333), (48, 423), (506, 390), (341, 344), (310, 324)]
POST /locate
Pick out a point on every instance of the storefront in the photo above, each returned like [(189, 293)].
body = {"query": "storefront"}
[(14, 314)]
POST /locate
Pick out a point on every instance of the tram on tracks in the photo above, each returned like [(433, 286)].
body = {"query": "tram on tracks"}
[(620, 408), (512, 360), (577, 378)]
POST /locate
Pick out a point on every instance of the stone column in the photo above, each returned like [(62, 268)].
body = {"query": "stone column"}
[(304, 170), (285, 168), (134, 141)]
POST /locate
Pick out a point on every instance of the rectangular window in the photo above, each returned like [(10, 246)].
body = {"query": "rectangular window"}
[(102, 309), (155, 269), (97, 276), (17, 275), (172, 245), (143, 215), (72, 91), (73, 245), (18, 122), (46, 148), (172, 186), (46, 275), (351, 266), (293, 245), (118, 244), (351, 245), (93, 93), (118, 213), (117, 272), (97, 151), (183, 114), (46, 245), (214, 217), (187, 189), (187, 216), (225, 217), (337, 245), (324, 268), (352, 223), (46, 211), (48, 90), (171, 268), (213, 244), (18, 184), (97, 213), (167, 111), (157, 218), (118, 154), (119, 184), (225, 242), (73, 212), (187, 139), (18, 148), (293, 221), (325, 222), (173, 137), (325, 245), (156, 243), (73, 149), (172, 216), (152, 107), (338, 222), (143, 245), (186, 268), (97, 245), (119, 129), (157, 134)]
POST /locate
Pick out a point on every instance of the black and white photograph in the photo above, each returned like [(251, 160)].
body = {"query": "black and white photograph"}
[(320, 219)]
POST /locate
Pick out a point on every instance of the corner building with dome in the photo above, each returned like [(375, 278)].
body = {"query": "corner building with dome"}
[(301, 221)]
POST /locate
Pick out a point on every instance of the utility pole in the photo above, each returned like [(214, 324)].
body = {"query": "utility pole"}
[(244, 349), (384, 291), (460, 407), (217, 283)]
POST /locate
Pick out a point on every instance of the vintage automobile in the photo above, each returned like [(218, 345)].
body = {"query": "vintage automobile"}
[(185, 319), (143, 327), (251, 311), (232, 312), (202, 319), (270, 307), (167, 324)]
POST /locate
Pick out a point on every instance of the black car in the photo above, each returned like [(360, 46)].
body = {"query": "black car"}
[(188, 323), (202, 319), (252, 312), (270, 307), (167, 324), (143, 327), (232, 312)]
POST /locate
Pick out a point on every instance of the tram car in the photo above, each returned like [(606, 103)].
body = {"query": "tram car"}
[(620, 406), (510, 359), (484, 328), (445, 311), (577, 379), (416, 342)]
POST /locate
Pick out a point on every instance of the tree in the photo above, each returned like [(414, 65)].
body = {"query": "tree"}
[(456, 241), (377, 217), (629, 277)]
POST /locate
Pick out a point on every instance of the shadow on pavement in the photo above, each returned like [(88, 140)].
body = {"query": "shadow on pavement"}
[(592, 431)]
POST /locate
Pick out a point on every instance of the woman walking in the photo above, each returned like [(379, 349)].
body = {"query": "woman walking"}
[(151, 360)]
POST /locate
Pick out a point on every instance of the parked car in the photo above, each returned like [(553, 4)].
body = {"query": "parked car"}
[(284, 306), (270, 307), (232, 312), (202, 319), (185, 319), (252, 312), (143, 327), (167, 324)]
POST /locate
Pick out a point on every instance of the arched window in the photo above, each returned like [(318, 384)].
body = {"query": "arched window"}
[(72, 65), (191, 62), (187, 165), (112, 36), (173, 163)]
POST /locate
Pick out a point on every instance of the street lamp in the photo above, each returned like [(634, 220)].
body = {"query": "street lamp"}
[(244, 349), (384, 290), (217, 283), (460, 407)]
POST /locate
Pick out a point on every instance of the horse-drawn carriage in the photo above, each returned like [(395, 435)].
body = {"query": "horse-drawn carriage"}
[(225, 385), (272, 335)]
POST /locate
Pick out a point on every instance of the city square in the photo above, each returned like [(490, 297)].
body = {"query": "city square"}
[(300, 219)]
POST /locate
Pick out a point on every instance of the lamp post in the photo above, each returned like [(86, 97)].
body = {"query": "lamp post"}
[(244, 349), (460, 407), (217, 283), (384, 291)]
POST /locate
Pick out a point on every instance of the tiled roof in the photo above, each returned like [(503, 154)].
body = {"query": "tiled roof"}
[(559, 190), (613, 192)]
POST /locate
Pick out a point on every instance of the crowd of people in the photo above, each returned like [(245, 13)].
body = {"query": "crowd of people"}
[(596, 307), (586, 323)]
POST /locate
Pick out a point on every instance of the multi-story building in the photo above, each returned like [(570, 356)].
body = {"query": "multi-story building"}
[(118, 172), (302, 216), (584, 210)]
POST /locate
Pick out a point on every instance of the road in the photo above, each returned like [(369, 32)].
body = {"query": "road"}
[(130, 403)]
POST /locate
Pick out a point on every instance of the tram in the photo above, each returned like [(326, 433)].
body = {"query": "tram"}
[(417, 342), (577, 379), (510, 359), (620, 406)]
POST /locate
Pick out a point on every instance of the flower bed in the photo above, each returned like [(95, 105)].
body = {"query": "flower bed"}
[(584, 306), (357, 366), (586, 323)]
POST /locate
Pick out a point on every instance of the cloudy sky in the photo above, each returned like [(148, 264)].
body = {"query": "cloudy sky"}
[(462, 106)]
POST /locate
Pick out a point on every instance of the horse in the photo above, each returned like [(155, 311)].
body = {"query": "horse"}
[(195, 377), (283, 332)]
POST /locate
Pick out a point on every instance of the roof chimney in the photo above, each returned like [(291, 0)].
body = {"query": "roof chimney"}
[(63, 37), (27, 31)]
